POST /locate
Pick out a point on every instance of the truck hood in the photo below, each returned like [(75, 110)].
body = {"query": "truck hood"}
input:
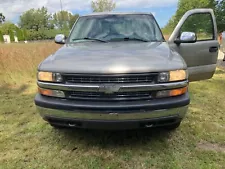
[(113, 57)]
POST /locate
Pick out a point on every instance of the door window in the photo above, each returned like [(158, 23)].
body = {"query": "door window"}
[(201, 24)]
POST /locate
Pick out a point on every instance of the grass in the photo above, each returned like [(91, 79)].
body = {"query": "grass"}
[(26, 141)]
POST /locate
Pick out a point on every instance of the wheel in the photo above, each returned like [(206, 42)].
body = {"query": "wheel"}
[(173, 126)]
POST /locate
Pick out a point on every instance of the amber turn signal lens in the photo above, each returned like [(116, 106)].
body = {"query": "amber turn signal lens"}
[(45, 92), (178, 92), (52, 93)]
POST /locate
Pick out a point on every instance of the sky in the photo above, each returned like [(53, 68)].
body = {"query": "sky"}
[(162, 9)]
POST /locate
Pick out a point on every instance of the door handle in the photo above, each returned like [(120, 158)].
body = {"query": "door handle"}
[(213, 49)]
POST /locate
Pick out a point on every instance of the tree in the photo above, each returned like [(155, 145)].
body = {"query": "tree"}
[(170, 25), (64, 19), (184, 6), (44, 34), (1, 37), (220, 17), (24, 34), (7, 26), (11, 34), (103, 5), (35, 19), (19, 34), (73, 19), (2, 18)]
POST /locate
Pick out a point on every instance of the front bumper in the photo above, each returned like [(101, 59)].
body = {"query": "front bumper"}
[(121, 115)]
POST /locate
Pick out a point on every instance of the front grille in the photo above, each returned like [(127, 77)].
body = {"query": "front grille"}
[(99, 96), (127, 78)]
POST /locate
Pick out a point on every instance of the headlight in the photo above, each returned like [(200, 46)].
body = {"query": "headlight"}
[(172, 76), (178, 75), (171, 93), (49, 77), (52, 93), (164, 77)]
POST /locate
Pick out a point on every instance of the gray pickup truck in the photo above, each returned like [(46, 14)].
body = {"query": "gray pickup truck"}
[(116, 71)]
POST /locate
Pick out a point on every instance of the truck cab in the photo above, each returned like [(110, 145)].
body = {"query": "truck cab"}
[(116, 71)]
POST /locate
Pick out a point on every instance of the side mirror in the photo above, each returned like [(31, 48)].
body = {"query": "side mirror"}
[(60, 39), (186, 37)]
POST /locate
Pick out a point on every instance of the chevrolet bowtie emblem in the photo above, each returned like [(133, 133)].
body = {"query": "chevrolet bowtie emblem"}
[(109, 88)]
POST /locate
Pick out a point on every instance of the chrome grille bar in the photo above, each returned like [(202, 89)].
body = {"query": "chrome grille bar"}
[(122, 87)]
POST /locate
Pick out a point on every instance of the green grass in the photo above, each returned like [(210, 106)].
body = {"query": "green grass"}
[(26, 141)]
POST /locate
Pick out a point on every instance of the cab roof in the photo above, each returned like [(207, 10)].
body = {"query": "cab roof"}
[(117, 13)]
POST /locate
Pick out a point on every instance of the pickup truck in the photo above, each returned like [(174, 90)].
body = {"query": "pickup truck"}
[(116, 71)]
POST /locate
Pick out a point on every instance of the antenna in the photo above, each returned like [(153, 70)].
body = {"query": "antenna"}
[(61, 13)]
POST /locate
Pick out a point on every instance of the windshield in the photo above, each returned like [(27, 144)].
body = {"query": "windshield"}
[(106, 28)]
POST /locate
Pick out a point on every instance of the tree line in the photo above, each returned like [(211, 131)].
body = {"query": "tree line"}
[(39, 24), (184, 5)]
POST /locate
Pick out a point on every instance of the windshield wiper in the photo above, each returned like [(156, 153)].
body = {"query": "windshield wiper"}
[(138, 39), (129, 38), (87, 38)]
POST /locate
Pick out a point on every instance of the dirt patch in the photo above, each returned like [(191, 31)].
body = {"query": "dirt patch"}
[(211, 147)]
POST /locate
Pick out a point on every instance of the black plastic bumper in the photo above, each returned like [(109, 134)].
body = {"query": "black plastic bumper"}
[(113, 125), (112, 115), (70, 105)]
